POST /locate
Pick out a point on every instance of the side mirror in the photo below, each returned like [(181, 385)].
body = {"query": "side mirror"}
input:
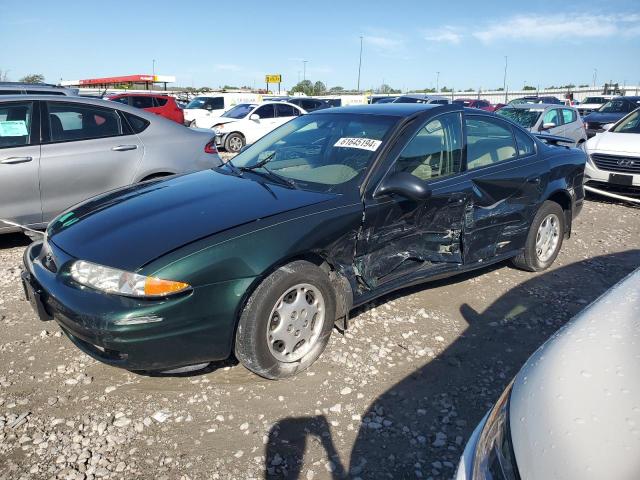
[(254, 116), (608, 126), (208, 107), (404, 184), (548, 126)]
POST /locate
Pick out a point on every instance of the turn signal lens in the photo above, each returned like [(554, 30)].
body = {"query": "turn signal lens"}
[(211, 147), (154, 287)]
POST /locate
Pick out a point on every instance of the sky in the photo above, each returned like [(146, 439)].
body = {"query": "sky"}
[(405, 43)]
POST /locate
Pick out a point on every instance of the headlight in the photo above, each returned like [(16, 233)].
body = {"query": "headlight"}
[(112, 280), (218, 129), (494, 458)]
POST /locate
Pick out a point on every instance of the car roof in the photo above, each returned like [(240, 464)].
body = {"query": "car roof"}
[(524, 106), (128, 94), (389, 109)]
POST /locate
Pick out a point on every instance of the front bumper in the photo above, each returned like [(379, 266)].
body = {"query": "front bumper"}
[(465, 466), (617, 182), (188, 329)]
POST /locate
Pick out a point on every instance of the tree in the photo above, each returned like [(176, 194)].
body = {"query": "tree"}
[(319, 88), (336, 89), (470, 90), (33, 78), (309, 88), (446, 90), (583, 86), (500, 89), (528, 87)]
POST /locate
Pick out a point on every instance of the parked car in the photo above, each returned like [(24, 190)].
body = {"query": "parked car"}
[(474, 103), (536, 99), (381, 98), (591, 104), (200, 111), (21, 88), (385, 100), (614, 157), (551, 119), (247, 122), (162, 105), (261, 256), (58, 151), (306, 103), (572, 410), (422, 98), (610, 112)]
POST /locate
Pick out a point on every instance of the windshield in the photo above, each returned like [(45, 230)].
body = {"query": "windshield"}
[(197, 102), (525, 117), (615, 106), (594, 100), (631, 124), (239, 111), (327, 153)]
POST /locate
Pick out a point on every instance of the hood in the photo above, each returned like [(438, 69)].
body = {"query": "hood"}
[(221, 120), (128, 228), (610, 142), (574, 405), (603, 117)]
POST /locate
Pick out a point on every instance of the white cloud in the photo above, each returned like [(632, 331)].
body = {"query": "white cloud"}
[(229, 67), (560, 26), (446, 34), (383, 42)]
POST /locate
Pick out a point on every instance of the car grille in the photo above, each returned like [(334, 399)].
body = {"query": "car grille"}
[(615, 163)]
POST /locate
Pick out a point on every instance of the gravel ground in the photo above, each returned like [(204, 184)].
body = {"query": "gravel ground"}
[(395, 397)]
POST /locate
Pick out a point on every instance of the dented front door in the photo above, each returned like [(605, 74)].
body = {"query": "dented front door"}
[(401, 236)]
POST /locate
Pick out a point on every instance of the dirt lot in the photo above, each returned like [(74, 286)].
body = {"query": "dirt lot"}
[(396, 397)]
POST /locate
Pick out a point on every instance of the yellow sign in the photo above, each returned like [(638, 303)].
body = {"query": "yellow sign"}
[(273, 78)]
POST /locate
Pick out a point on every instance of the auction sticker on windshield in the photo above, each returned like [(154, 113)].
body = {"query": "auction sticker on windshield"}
[(361, 143)]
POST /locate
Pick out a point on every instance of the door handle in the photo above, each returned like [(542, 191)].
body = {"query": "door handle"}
[(456, 198), (13, 160), (533, 180), (124, 148)]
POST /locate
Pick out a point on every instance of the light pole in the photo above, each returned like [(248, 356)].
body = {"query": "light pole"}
[(360, 63), (304, 69), (595, 75), (504, 81), (437, 82), (153, 67)]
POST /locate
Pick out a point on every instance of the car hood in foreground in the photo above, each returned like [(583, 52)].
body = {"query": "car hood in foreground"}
[(128, 228), (603, 117), (615, 143), (574, 409)]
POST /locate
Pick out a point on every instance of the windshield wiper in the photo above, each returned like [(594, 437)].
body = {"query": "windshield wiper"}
[(263, 164)]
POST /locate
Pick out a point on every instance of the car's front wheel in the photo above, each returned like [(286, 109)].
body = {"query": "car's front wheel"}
[(287, 321), (544, 239), (234, 143)]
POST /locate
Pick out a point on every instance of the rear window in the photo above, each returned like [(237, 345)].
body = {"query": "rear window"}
[(161, 102), (142, 102)]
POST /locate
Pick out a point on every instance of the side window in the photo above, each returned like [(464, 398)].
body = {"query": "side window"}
[(142, 102), (10, 92), (136, 123), (43, 92), (123, 100), (266, 111), (15, 124), (75, 121), (159, 102), (526, 145), (309, 104), (435, 151), (552, 117), (489, 141), (284, 111), (568, 116), (216, 103)]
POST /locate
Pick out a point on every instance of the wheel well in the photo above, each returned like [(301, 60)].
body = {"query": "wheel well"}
[(563, 199)]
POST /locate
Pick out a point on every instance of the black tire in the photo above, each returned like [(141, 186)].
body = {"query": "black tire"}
[(529, 259), (192, 124), (234, 142), (251, 344)]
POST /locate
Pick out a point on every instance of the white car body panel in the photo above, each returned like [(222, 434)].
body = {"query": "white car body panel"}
[(205, 118)]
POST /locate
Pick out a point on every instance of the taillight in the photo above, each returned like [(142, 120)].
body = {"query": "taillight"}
[(211, 147)]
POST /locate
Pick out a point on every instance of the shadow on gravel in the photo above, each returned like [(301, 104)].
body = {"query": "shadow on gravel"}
[(12, 240), (418, 427)]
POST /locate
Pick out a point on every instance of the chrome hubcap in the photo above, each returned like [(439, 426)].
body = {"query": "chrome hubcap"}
[(548, 237), (235, 144), (295, 323)]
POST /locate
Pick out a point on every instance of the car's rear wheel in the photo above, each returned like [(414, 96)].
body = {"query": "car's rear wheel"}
[(234, 142), (287, 321), (544, 239)]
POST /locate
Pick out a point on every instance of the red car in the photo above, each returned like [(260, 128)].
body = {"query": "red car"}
[(163, 105), (474, 103)]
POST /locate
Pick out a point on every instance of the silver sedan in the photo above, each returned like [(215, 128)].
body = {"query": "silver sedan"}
[(56, 152)]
